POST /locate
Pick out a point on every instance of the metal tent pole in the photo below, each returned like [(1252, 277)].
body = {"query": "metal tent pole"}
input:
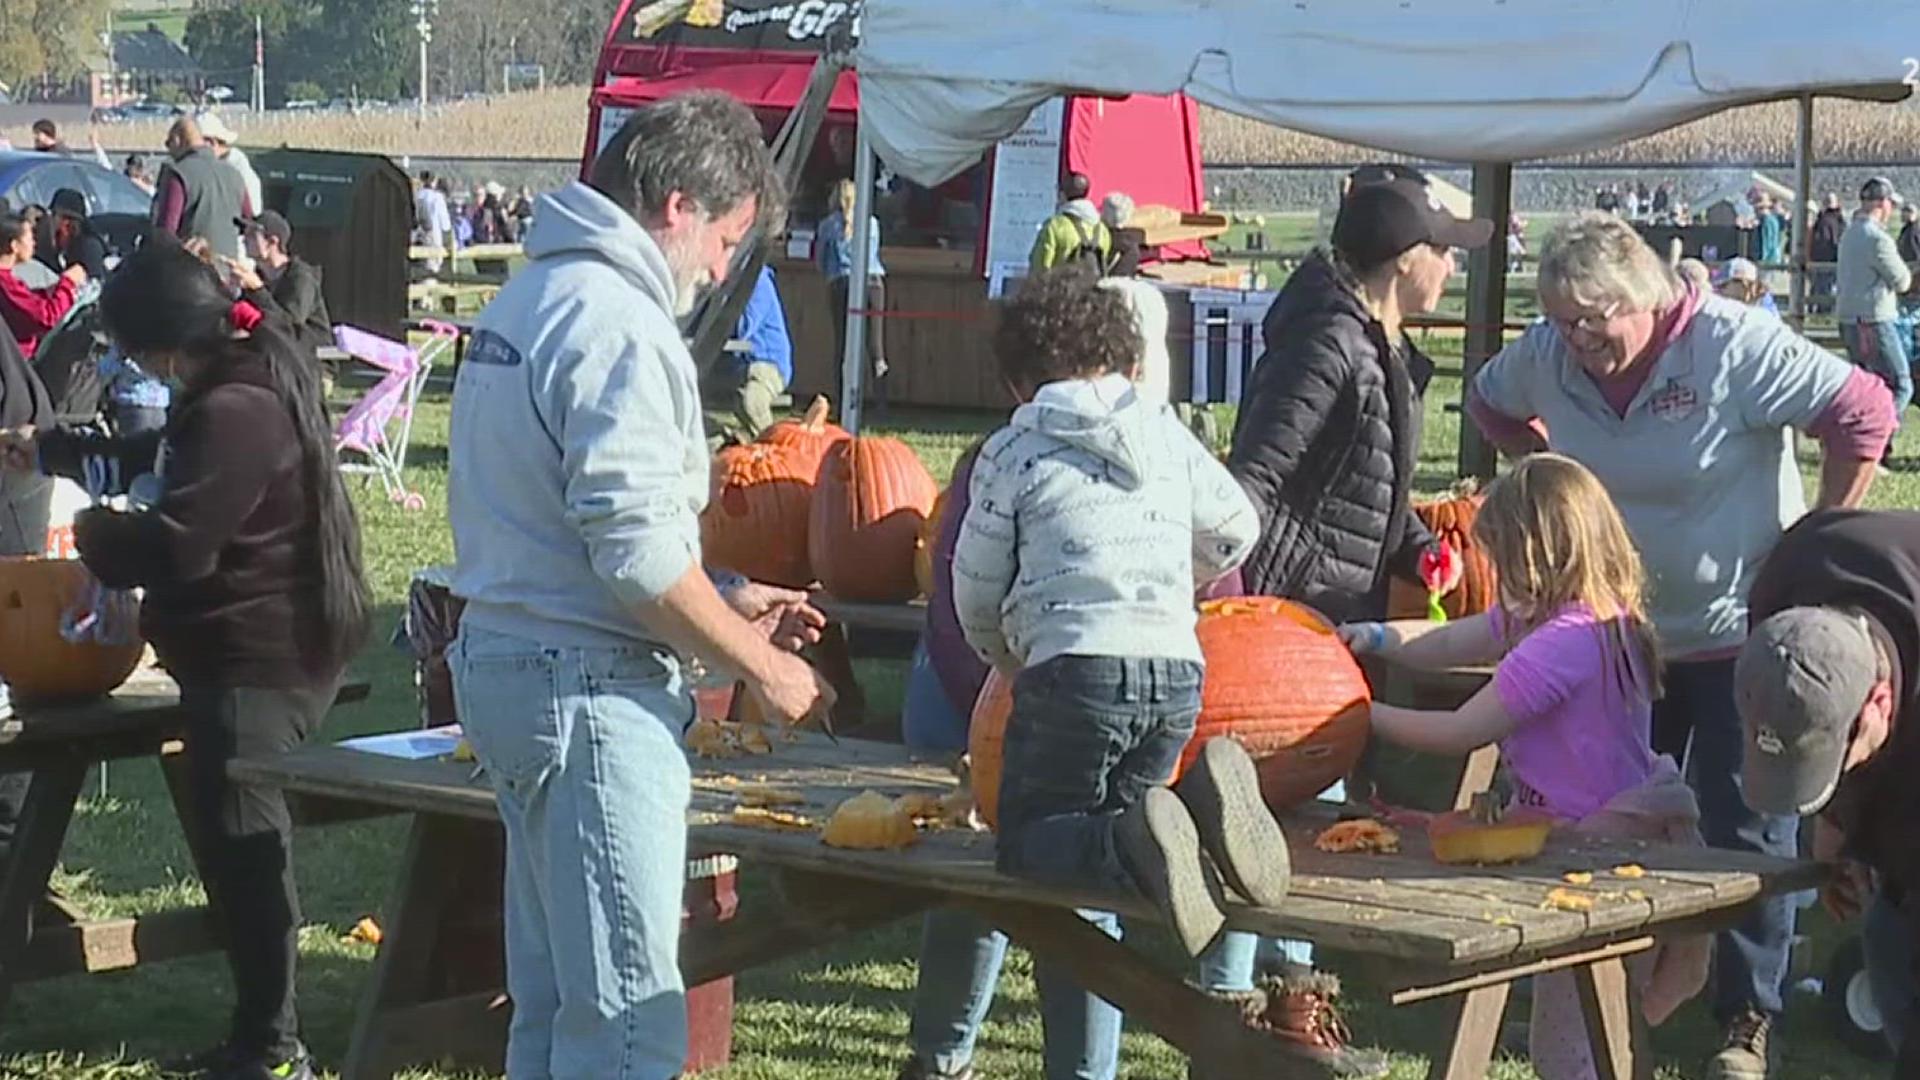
[(853, 364), (1802, 219)]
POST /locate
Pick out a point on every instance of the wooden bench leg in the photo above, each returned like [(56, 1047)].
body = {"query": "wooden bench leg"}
[(1469, 1051), (1616, 1028), (37, 839), (1211, 1033), (437, 848)]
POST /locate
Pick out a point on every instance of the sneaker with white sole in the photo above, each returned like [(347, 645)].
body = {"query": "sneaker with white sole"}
[(1160, 849), (1747, 1049)]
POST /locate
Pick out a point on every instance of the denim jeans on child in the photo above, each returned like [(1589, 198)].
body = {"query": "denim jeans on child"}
[(961, 954), (1088, 736), (1881, 348), (582, 746), (1749, 961)]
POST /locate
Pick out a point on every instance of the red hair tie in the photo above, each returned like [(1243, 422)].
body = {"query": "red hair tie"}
[(244, 316)]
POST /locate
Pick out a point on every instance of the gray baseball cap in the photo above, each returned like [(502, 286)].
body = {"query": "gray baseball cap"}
[(1800, 681)]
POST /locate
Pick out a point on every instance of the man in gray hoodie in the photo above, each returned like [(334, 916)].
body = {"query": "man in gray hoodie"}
[(579, 469)]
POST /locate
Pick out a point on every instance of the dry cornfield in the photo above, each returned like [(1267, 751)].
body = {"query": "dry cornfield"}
[(552, 124)]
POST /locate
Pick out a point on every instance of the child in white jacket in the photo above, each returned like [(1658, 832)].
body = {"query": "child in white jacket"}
[(1093, 516)]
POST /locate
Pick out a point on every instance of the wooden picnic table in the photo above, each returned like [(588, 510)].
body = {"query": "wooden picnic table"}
[(1437, 931), (41, 935)]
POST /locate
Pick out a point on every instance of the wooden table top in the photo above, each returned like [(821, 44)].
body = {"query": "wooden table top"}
[(1402, 906), (148, 700)]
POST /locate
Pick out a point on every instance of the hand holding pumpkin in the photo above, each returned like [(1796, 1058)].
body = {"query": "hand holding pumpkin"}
[(19, 449)]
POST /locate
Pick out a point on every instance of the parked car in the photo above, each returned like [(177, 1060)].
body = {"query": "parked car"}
[(115, 204)]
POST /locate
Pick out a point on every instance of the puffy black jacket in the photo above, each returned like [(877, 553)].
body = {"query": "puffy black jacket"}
[(1326, 444)]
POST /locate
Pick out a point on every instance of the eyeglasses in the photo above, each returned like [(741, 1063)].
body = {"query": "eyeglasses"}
[(1591, 324)]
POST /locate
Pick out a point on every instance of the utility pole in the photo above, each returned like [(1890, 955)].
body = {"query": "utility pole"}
[(423, 14), (259, 94), (113, 70)]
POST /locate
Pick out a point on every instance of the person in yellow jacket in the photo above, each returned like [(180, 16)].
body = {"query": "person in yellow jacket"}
[(1075, 234)]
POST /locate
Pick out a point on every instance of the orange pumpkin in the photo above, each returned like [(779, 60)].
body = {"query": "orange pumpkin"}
[(869, 503), (1277, 679), (923, 548), (756, 520), (1451, 519), (809, 436), (37, 663), (1462, 837)]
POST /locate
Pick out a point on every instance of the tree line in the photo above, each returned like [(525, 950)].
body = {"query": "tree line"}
[(369, 49)]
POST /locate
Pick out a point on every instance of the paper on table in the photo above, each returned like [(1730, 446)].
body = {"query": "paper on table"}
[(410, 745)]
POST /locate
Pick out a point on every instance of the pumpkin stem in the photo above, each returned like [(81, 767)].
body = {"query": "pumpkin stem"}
[(816, 419)]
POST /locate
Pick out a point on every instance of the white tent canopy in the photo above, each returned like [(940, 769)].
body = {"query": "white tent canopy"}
[(1448, 80)]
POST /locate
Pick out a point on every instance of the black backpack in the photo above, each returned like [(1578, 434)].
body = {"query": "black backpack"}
[(1087, 251), (68, 363)]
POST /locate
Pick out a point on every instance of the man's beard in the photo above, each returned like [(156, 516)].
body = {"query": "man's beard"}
[(690, 276)]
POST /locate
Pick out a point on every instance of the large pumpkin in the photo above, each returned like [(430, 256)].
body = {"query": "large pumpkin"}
[(923, 547), (869, 503), (1277, 679), (37, 663), (756, 520), (809, 436), (1450, 519)]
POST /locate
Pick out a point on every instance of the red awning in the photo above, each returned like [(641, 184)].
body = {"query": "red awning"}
[(760, 86)]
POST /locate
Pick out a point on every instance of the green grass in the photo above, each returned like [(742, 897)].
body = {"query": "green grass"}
[(839, 1014)]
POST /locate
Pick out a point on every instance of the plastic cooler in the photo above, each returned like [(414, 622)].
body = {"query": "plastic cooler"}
[(433, 617)]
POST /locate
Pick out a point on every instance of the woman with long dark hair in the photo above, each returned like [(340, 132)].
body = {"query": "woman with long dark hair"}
[(249, 552)]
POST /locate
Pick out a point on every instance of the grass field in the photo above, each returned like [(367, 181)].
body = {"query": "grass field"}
[(839, 1014)]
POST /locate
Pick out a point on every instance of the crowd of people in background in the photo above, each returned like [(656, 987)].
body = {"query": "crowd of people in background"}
[(453, 220)]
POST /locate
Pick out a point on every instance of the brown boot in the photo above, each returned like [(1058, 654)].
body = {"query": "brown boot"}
[(1299, 1010)]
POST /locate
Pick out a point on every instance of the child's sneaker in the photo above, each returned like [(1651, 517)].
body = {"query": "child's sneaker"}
[(1222, 789), (1161, 850)]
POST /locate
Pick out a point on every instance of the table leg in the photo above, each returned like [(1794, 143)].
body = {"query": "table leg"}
[(1616, 1028), (1469, 1051), (402, 971), (1212, 1033), (37, 839)]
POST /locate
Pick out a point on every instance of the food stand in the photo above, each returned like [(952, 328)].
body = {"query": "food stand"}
[(946, 247)]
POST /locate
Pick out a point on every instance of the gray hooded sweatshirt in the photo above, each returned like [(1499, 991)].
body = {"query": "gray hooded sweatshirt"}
[(1091, 520), (579, 463)]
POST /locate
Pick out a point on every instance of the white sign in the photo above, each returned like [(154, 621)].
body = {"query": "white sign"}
[(1026, 188), (612, 119)]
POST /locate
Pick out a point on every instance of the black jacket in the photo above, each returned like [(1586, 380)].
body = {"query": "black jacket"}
[(1909, 242), (23, 397), (1326, 444), (1828, 226), (227, 555), (297, 295)]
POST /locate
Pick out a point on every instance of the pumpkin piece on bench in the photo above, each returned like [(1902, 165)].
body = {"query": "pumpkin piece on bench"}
[(1358, 836), (1486, 835), (870, 822)]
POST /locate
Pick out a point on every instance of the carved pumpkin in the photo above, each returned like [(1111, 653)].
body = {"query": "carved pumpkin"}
[(923, 548), (869, 503), (1461, 836), (809, 436), (37, 663), (755, 522), (1277, 679), (1451, 520)]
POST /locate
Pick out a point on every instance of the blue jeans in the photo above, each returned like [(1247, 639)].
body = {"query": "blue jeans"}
[(1879, 347), (1749, 961), (1887, 937), (960, 957), (1088, 736), (582, 746), (961, 954)]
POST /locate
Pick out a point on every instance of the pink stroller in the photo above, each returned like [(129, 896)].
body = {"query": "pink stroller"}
[(378, 426)]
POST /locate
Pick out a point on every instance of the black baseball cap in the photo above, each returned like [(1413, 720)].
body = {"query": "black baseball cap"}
[(68, 201), (1380, 220), (1879, 188), (269, 223)]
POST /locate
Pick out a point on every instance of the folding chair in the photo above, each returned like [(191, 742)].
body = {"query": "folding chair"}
[(379, 425)]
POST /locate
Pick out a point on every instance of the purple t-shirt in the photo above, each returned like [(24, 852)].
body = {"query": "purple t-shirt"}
[(1582, 728)]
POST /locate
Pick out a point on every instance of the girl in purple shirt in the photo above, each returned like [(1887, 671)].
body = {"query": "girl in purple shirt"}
[(1570, 702)]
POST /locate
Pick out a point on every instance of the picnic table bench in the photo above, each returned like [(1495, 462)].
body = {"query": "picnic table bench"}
[(1435, 931), (41, 935)]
